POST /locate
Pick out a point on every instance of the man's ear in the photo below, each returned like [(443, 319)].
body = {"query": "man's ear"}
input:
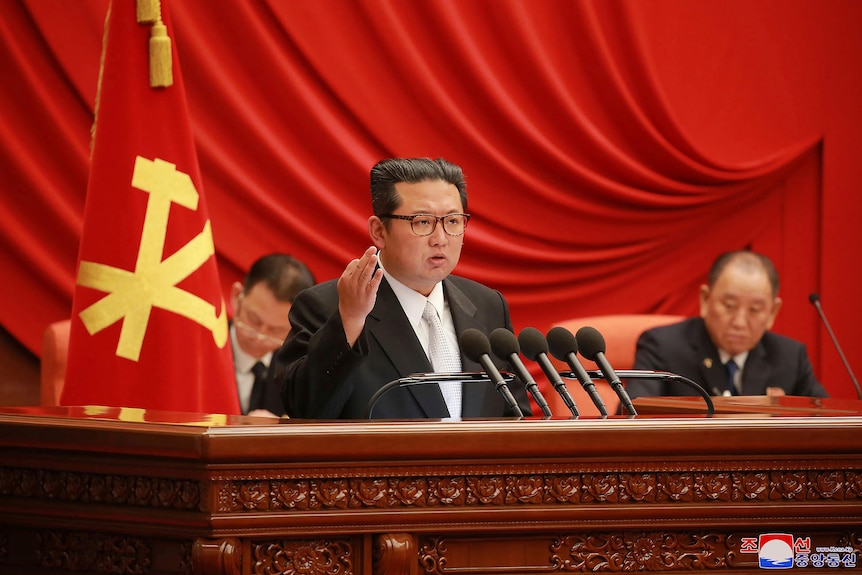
[(776, 306), (377, 229), (235, 292), (704, 297)]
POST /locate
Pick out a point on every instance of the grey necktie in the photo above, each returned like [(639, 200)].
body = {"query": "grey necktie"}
[(444, 358)]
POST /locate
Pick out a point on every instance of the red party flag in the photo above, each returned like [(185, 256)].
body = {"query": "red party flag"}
[(149, 326)]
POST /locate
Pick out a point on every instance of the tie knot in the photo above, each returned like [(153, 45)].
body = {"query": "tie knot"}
[(259, 370), (430, 312)]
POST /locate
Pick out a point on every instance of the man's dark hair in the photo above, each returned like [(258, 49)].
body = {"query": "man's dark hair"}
[(283, 274), (387, 173), (746, 258)]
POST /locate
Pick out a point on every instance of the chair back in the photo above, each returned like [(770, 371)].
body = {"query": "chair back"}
[(621, 333), (55, 350)]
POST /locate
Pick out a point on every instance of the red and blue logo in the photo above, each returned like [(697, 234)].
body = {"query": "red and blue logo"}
[(776, 551), (783, 551)]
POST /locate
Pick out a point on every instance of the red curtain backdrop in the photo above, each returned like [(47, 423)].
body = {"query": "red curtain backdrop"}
[(612, 148)]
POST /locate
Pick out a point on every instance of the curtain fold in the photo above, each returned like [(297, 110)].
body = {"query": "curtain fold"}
[(589, 188)]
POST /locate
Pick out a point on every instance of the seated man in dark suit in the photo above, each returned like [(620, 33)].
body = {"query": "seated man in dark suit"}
[(729, 349), (260, 323), (377, 322)]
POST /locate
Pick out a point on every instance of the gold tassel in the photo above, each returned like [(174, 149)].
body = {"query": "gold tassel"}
[(148, 11), (101, 77), (161, 69)]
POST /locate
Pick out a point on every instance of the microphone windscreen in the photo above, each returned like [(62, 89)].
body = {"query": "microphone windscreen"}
[(590, 342), (504, 343), (813, 298), (561, 343), (474, 344), (532, 343)]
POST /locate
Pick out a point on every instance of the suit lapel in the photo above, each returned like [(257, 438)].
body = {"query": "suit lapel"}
[(713, 374), (463, 312), (756, 371), (397, 340)]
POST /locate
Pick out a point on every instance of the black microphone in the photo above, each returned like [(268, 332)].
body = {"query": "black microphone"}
[(815, 299), (564, 347), (505, 347), (592, 346), (535, 348), (476, 347)]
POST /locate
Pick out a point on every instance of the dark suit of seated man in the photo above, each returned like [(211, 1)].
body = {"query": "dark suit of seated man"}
[(351, 336), (738, 306)]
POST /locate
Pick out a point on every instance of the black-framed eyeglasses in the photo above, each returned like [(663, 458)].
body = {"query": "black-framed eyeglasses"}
[(425, 224)]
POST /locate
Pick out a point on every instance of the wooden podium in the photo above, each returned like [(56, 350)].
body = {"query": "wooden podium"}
[(755, 404), (108, 490)]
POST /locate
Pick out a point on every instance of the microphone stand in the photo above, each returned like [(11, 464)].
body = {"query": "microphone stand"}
[(815, 300), (423, 378), (646, 374)]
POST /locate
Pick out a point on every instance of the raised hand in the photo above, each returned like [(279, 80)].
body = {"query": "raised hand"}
[(357, 292)]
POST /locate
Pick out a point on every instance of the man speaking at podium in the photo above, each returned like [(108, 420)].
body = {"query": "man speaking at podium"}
[(728, 349), (396, 311)]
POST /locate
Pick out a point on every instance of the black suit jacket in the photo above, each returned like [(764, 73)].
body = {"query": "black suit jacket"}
[(686, 349), (322, 378)]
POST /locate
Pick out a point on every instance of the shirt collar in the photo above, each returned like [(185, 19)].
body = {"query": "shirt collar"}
[(739, 358), (412, 301)]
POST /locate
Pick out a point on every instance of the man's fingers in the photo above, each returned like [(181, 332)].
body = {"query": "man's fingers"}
[(367, 264), (376, 279), (362, 268)]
